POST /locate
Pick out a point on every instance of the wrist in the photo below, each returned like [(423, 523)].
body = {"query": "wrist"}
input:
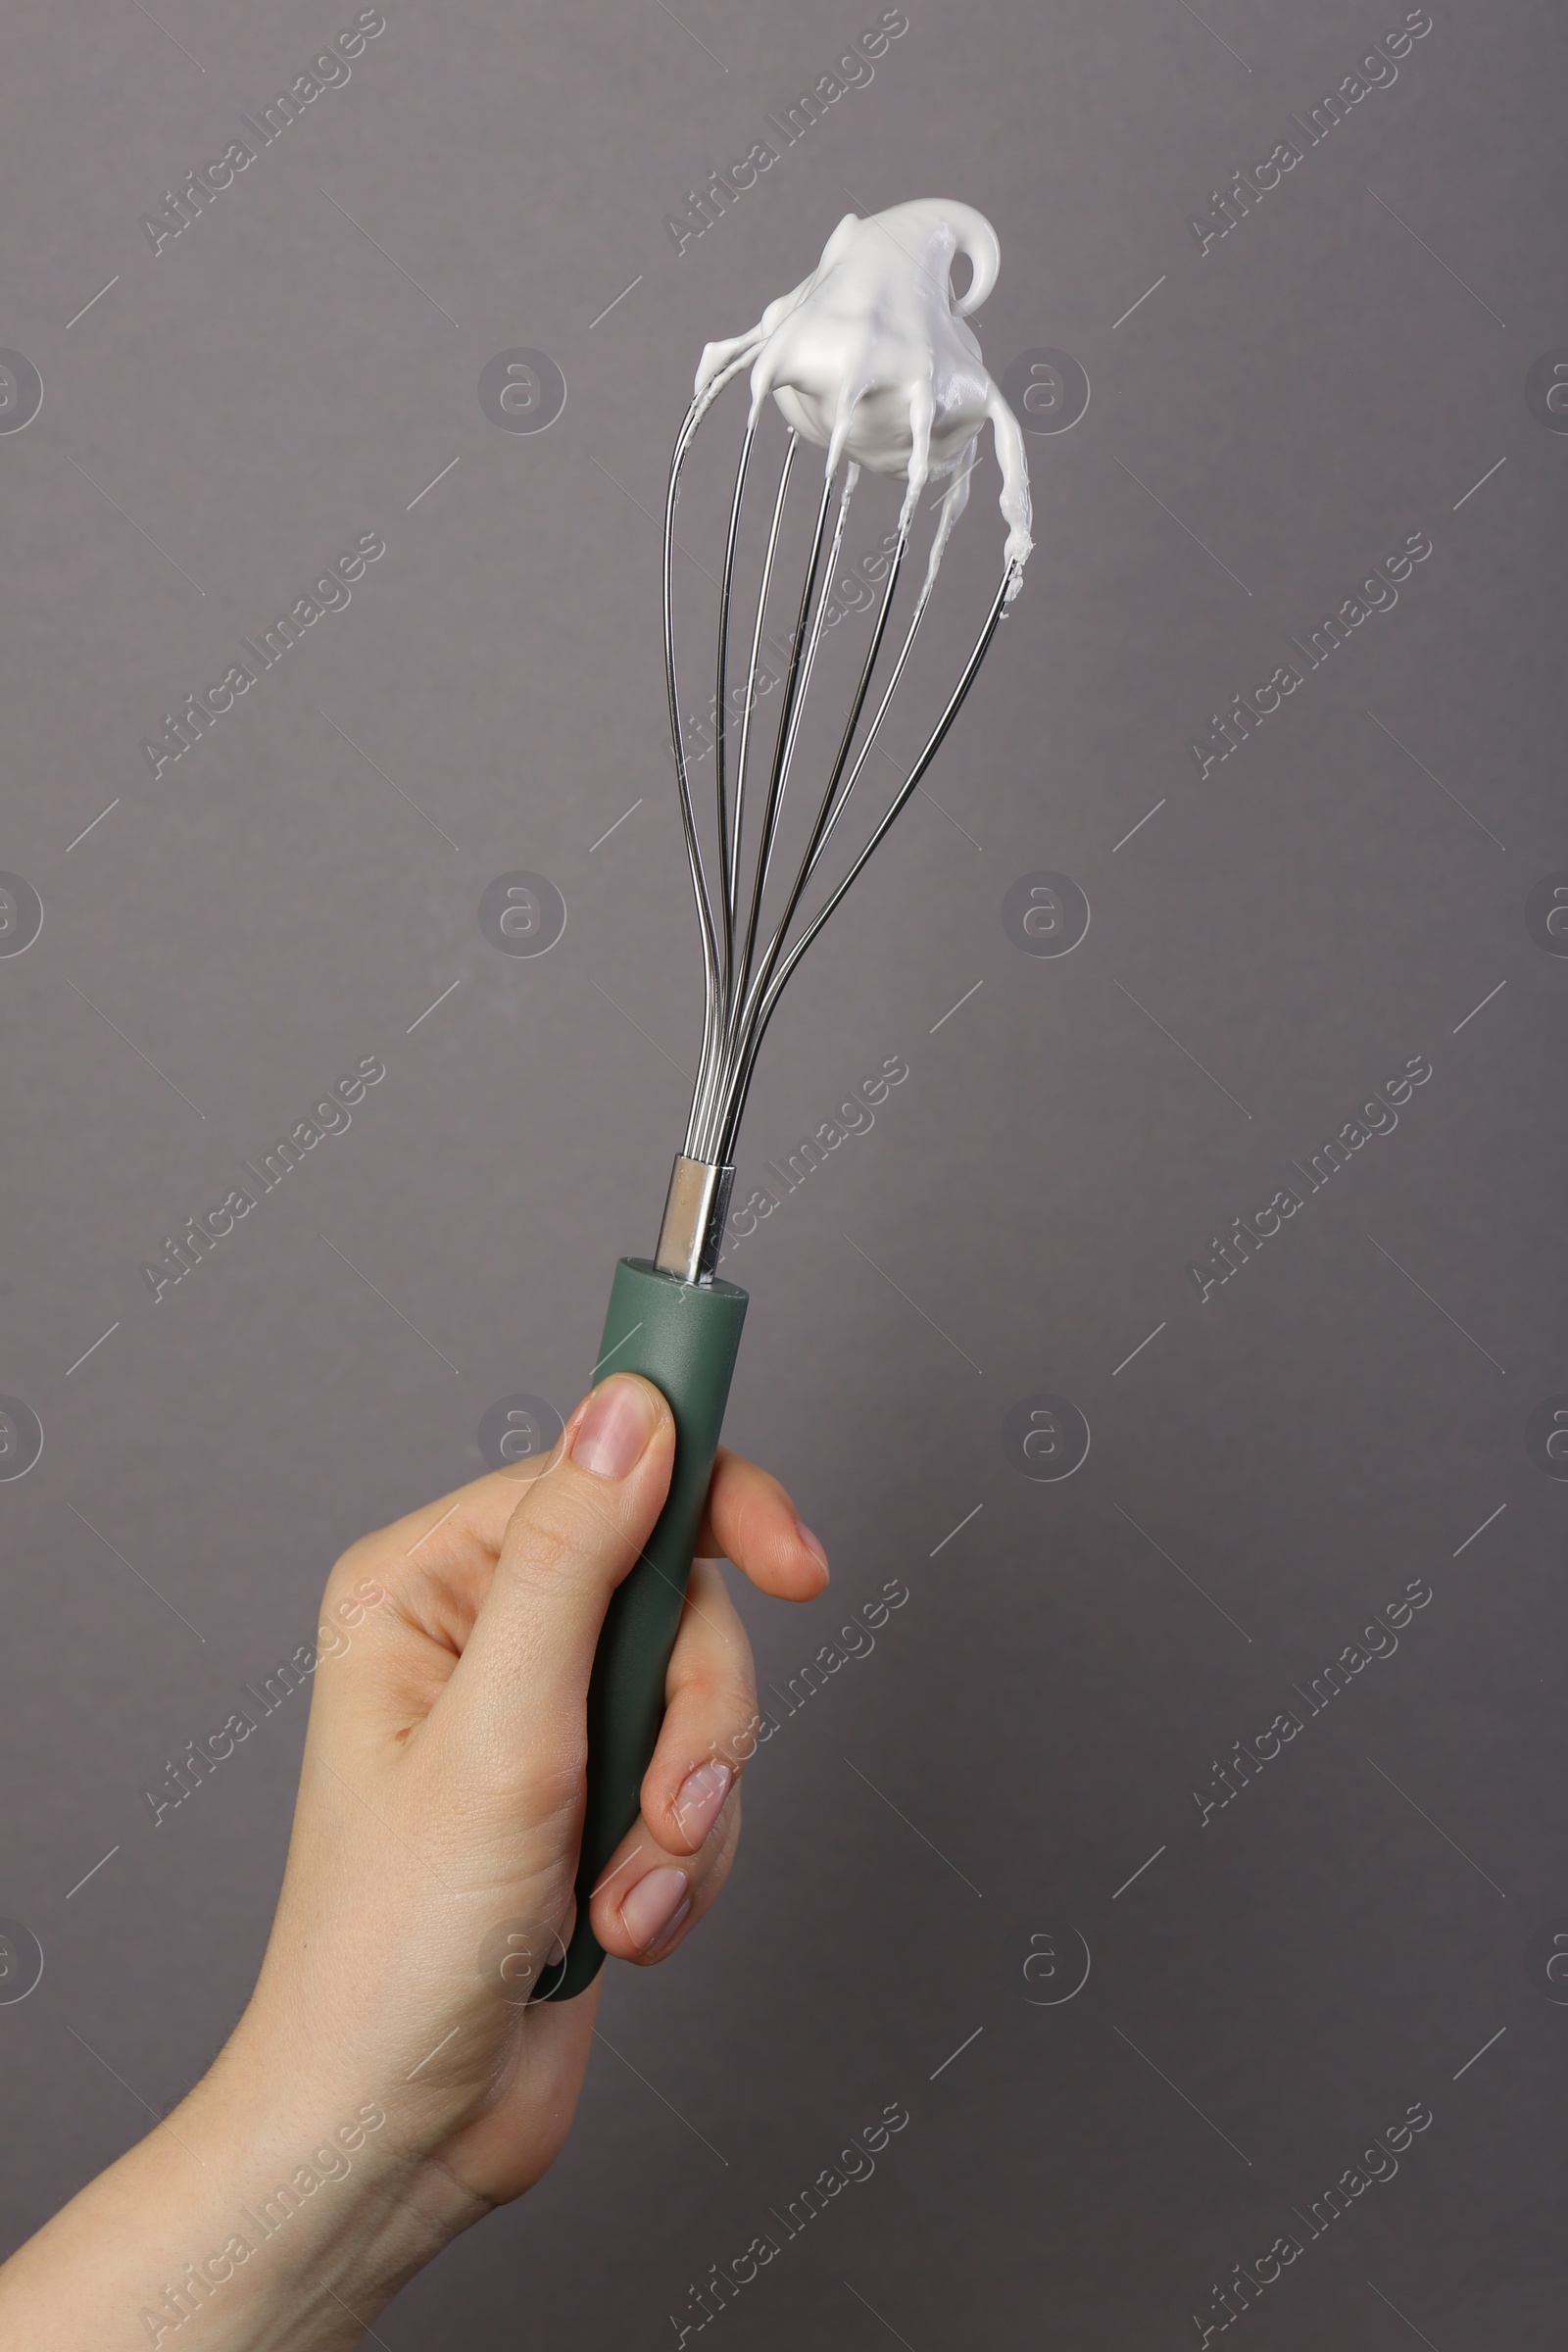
[(243, 2222), (312, 2214), (316, 2204)]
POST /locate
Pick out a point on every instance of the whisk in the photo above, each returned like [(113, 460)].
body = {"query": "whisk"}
[(869, 358)]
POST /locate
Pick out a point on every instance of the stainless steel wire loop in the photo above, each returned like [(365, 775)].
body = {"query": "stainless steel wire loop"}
[(745, 971)]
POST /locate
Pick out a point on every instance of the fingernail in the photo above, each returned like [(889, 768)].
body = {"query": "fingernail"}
[(615, 1429), (650, 1906), (701, 1796), (812, 1546), (662, 1944)]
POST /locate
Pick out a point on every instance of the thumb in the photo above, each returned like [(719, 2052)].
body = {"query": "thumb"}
[(521, 1685)]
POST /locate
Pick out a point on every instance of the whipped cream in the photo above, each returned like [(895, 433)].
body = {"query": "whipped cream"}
[(871, 359)]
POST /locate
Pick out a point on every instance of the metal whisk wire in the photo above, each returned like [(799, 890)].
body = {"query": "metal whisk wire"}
[(743, 982)]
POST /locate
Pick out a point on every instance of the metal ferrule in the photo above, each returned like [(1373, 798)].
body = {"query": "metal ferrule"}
[(696, 1207)]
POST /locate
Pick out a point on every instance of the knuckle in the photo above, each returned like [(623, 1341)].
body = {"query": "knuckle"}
[(566, 1519), (727, 1698), (713, 1658), (350, 1565), (541, 1545), (352, 1594)]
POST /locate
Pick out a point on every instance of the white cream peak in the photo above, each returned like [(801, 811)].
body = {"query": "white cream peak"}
[(871, 359)]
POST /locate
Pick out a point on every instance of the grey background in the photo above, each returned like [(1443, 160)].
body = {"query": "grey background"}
[(1281, 1982)]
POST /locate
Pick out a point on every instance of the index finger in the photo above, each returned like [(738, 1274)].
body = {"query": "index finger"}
[(751, 1520)]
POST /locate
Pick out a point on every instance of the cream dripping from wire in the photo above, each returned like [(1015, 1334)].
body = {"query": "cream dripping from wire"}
[(871, 359)]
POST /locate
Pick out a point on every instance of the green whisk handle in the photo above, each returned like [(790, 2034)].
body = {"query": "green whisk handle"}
[(684, 1337)]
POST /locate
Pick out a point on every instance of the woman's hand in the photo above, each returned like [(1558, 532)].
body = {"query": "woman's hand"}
[(430, 1874), (388, 2082)]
